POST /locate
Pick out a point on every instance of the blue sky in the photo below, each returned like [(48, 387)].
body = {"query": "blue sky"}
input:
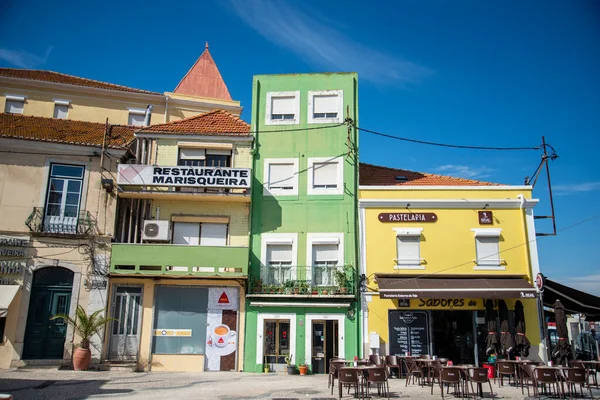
[(466, 72)]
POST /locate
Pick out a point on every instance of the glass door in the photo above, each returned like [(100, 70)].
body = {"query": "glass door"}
[(126, 309), (325, 343), (64, 196), (276, 341)]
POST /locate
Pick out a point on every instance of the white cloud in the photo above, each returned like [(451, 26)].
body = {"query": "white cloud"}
[(322, 43), (589, 283), (574, 188), (24, 59), (464, 171)]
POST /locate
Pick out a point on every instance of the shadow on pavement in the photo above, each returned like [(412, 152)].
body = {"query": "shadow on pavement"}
[(22, 389)]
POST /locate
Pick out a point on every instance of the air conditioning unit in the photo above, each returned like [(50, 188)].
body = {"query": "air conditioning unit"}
[(156, 231)]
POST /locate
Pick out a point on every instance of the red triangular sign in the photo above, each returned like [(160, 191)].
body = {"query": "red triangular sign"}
[(223, 299)]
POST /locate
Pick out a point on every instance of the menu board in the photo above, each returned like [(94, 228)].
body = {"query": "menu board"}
[(408, 332)]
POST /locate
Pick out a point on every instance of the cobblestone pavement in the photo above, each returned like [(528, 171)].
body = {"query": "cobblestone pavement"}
[(50, 383)]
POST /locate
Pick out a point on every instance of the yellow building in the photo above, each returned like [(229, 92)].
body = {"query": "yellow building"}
[(56, 95), (433, 250), (57, 213), (179, 266)]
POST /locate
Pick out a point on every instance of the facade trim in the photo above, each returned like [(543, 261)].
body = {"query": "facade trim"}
[(447, 203)]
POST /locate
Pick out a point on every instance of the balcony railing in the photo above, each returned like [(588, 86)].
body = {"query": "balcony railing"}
[(39, 222), (305, 281), (178, 260)]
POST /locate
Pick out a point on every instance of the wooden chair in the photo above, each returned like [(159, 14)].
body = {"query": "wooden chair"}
[(349, 377), (413, 370), (589, 371), (334, 367), (392, 363), (545, 376), (527, 377), (450, 376), (479, 376), (506, 368), (577, 376), (378, 376)]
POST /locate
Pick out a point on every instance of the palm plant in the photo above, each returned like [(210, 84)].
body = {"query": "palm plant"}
[(86, 325)]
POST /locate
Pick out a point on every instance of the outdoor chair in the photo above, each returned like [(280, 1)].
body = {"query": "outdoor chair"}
[(444, 361), (433, 371), (378, 376), (425, 357), (450, 376), (363, 362), (334, 367), (527, 377), (376, 359), (546, 377), (506, 368), (349, 377), (413, 370), (392, 363), (577, 376), (591, 373), (479, 376)]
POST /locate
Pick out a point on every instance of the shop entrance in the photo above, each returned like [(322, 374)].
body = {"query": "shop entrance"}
[(276, 341), (50, 295), (125, 333), (325, 344), (454, 336)]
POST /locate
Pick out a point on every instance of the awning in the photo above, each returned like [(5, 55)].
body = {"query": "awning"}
[(575, 301), (7, 294), (402, 287)]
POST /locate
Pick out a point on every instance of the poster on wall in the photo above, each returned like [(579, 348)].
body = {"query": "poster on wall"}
[(221, 328)]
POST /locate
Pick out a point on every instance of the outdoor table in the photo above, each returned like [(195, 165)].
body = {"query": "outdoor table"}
[(401, 363), (425, 363), (588, 365), (465, 370)]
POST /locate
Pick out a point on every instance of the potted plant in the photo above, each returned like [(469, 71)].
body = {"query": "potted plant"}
[(87, 326), (324, 290), (291, 368), (266, 366), (303, 287), (314, 290), (342, 280), (289, 287), (303, 368), (258, 286), (296, 288)]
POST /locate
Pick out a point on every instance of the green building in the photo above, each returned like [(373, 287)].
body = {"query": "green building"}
[(301, 300)]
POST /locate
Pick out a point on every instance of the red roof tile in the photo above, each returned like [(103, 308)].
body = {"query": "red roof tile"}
[(57, 77), (204, 79), (373, 175), (214, 123), (64, 131)]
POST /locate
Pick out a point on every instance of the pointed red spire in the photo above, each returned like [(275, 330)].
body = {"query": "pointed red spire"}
[(204, 79)]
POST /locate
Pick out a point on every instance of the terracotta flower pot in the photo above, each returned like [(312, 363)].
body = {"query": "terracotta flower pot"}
[(81, 359), (303, 369)]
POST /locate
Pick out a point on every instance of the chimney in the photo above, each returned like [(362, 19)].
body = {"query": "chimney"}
[(148, 115)]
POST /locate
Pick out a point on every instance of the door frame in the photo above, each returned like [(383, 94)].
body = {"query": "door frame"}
[(260, 328), (340, 318), (113, 294)]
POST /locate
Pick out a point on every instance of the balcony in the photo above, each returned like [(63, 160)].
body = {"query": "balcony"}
[(55, 225), (304, 282), (179, 260)]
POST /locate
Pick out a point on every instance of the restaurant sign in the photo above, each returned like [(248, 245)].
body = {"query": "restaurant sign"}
[(13, 259), (408, 217), (183, 176)]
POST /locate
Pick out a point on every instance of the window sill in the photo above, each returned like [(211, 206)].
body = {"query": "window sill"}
[(409, 267), (282, 122), (489, 268), (323, 121)]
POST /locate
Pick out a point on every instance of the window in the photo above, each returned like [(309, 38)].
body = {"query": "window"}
[(276, 340), (325, 256), (487, 246), (325, 107), (63, 198), (61, 108), (408, 248), (199, 157), (281, 176), (14, 104), (325, 175), (199, 234), (136, 119), (278, 257), (282, 108)]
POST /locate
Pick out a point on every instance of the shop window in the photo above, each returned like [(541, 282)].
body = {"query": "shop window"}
[(408, 248), (325, 107), (281, 176), (199, 234), (63, 198), (14, 104), (283, 108), (180, 320), (325, 175), (276, 341), (487, 246)]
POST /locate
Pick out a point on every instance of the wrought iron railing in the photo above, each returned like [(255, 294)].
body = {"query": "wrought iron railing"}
[(316, 280), (39, 222)]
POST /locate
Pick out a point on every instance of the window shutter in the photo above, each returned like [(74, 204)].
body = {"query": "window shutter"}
[(219, 152), (408, 248), (188, 153), (213, 235), (325, 252), (61, 111), (325, 104), (487, 250), (282, 105), (325, 174), (136, 119), (279, 253), (281, 176), (14, 107), (186, 233)]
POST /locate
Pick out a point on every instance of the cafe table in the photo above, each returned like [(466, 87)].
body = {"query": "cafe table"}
[(426, 363), (362, 370), (589, 365)]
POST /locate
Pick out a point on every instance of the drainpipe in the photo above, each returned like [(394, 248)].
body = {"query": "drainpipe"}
[(166, 108), (148, 115)]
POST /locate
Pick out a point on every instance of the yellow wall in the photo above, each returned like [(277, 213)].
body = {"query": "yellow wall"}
[(146, 361)]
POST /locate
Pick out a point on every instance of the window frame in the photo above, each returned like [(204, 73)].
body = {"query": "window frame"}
[(61, 103), (311, 190), (488, 264), (199, 237), (267, 191), (64, 192), (278, 239), (269, 105), (13, 99), (340, 107), (408, 263), (323, 238)]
